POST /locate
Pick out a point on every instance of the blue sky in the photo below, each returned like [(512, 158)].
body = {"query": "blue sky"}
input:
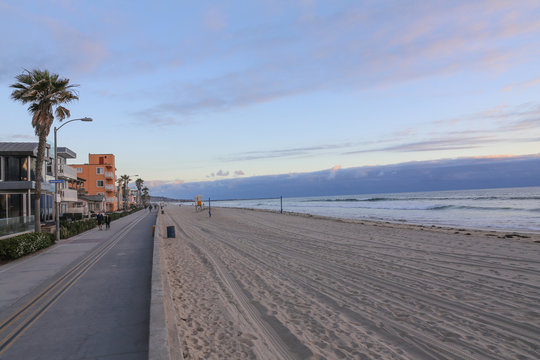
[(184, 91)]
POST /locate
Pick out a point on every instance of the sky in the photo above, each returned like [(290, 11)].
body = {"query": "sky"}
[(186, 92)]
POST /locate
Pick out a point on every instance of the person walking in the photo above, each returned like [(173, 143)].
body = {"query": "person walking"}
[(99, 219), (107, 221)]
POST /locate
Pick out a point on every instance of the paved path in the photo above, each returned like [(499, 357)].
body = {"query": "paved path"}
[(87, 297)]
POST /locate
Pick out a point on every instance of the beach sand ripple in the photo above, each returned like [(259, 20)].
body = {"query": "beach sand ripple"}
[(261, 285)]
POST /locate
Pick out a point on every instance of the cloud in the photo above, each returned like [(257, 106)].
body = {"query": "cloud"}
[(522, 85), (81, 51), (354, 49), (214, 19), (334, 170), (443, 174), (222, 173)]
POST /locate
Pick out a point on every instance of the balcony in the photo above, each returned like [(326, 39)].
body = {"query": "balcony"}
[(110, 199), (68, 194), (109, 175), (67, 172), (109, 187)]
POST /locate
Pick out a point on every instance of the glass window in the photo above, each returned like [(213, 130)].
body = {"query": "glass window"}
[(15, 205), (13, 168), (46, 205), (99, 170), (100, 183), (3, 206), (79, 170), (32, 169), (24, 169)]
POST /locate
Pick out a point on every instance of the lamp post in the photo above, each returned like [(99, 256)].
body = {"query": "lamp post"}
[(56, 200)]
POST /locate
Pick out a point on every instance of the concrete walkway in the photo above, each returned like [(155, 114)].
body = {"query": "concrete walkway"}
[(86, 297)]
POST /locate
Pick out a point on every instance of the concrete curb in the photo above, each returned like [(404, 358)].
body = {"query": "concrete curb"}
[(163, 343)]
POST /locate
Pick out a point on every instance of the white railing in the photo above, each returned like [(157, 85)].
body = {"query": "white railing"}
[(109, 175), (109, 187), (110, 199), (68, 194), (67, 171)]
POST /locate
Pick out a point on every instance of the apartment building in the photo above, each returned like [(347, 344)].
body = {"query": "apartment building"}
[(18, 184), (100, 178)]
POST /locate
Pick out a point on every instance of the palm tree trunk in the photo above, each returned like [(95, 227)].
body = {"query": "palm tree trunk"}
[(39, 172)]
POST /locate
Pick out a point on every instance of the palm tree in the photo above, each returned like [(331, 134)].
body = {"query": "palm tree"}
[(125, 180), (120, 183), (45, 92), (146, 196), (139, 183)]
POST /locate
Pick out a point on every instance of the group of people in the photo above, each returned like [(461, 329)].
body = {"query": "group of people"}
[(103, 219), (149, 207)]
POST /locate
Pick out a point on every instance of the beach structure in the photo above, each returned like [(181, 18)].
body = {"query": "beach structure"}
[(100, 176), (18, 184)]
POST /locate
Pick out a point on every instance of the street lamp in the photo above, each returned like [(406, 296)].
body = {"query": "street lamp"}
[(56, 202)]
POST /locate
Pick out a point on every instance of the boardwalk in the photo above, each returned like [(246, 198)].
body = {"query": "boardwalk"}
[(95, 307)]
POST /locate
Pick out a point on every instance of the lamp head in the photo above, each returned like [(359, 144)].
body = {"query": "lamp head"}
[(87, 119)]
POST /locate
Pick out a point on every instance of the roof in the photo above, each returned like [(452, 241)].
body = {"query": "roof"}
[(66, 153), (19, 148)]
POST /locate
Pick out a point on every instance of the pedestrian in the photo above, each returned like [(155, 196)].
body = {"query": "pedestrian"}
[(107, 221), (99, 219)]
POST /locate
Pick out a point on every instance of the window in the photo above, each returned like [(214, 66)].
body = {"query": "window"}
[(79, 170), (15, 205), (100, 183), (13, 168), (3, 206), (99, 170)]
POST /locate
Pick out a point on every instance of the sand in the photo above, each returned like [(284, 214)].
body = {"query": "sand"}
[(260, 285)]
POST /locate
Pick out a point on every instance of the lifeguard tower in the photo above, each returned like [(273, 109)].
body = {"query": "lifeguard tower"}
[(198, 203)]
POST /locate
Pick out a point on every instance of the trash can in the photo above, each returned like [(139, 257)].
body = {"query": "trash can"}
[(170, 232)]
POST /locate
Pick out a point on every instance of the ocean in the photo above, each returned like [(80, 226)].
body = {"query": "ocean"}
[(509, 209)]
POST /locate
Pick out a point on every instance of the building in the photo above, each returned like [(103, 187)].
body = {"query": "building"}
[(100, 178), (18, 185), (69, 204)]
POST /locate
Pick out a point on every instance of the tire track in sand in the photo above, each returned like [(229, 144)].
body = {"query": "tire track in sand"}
[(264, 327)]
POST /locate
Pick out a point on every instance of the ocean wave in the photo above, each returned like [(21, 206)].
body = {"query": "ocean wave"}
[(380, 199)]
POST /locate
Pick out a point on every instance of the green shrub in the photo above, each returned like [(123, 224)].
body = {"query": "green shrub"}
[(20, 245), (71, 228), (118, 215)]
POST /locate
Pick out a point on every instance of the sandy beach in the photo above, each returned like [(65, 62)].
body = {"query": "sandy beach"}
[(260, 285)]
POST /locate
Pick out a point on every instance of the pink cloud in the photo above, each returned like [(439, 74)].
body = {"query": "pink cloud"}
[(214, 19)]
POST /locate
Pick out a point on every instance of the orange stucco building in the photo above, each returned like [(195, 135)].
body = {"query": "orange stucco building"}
[(100, 176)]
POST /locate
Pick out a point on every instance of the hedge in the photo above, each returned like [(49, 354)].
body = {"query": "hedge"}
[(72, 228), (20, 245)]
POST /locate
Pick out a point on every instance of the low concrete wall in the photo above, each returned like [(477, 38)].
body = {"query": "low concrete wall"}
[(164, 343)]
